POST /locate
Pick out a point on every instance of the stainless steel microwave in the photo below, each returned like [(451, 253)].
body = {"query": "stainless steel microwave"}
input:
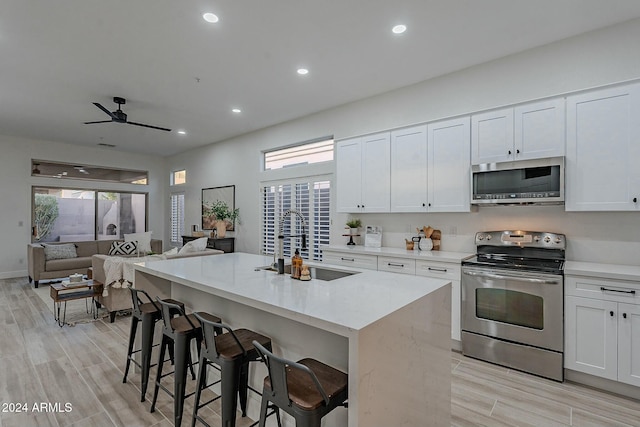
[(530, 182)]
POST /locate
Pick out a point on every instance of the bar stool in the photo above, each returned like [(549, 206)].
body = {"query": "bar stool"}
[(178, 332), (307, 390), (148, 314), (232, 352)]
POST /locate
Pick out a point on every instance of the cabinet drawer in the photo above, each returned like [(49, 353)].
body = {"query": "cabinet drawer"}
[(369, 262), (397, 265), (438, 270), (603, 289)]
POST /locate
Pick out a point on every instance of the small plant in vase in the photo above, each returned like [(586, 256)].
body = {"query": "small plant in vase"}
[(223, 214), (353, 225)]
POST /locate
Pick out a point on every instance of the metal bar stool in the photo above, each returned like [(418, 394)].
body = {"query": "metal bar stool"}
[(232, 352), (178, 332), (307, 390), (148, 314)]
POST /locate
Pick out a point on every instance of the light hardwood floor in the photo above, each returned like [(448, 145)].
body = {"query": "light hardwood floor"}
[(83, 365)]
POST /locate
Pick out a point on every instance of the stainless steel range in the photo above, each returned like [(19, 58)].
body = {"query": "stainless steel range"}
[(512, 301)]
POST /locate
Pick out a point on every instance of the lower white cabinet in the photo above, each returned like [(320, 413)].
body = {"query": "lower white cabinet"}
[(432, 269), (602, 333)]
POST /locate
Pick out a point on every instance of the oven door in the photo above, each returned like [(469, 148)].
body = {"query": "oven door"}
[(522, 307)]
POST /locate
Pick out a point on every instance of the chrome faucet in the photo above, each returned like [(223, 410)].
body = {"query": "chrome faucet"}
[(281, 237)]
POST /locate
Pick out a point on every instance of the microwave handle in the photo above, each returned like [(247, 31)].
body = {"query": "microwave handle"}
[(509, 277)]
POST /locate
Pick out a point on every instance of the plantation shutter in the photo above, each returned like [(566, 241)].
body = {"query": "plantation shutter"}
[(177, 218)]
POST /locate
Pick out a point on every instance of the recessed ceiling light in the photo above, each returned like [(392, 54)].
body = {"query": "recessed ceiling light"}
[(182, 132), (303, 71), (236, 110), (399, 29), (211, 17)]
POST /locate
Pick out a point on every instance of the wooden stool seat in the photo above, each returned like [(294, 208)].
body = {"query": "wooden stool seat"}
[(228, 347), (302, 390), (183, 324)]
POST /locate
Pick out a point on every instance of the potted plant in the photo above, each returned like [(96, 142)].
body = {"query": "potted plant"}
[(223, 214), (353, 225)]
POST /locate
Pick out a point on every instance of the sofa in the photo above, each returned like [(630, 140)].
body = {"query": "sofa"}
[(117, 297), (39, 268)]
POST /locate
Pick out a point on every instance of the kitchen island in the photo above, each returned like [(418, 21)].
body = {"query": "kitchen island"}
[(390, 332)]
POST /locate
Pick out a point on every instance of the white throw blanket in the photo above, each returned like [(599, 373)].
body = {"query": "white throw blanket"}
[(118, 271)]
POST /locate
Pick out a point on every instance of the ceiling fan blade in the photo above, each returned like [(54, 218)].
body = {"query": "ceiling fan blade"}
[(149, 126), (105, 110), (100, 121)]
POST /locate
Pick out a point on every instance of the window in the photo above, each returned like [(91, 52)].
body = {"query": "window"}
[(177, 218), (310, 197), (67, 215), (179, 177), (42, 168), (302, 154)]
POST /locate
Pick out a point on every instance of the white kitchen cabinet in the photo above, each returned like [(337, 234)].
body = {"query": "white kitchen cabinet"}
[(602, 328), (363, 174), (397, 265), (430, 170), (449, 170), (409, 169), (603, 131), (528, 131), (369, 262), (396, 261)]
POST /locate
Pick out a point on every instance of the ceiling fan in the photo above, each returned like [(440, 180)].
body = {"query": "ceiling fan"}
[(119, 116)]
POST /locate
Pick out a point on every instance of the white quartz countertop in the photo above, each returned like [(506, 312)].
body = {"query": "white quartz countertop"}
[(341, 305), (604, 271), (441, 256)]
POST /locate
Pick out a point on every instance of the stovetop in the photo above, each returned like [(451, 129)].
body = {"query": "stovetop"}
[(501, 261), (519, 250)]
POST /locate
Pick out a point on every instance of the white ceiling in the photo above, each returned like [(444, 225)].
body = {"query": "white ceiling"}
[(178, 71)]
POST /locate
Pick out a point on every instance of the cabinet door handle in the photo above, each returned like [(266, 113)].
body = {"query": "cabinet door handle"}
[(635, 200), (611, 313), (603, 289), (348, 259), (624, 315), (442, 270), (423, 205), (517, 151), (429, 204), (391, 264), (509, 152)]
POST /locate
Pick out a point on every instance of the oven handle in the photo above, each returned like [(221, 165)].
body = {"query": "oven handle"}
[(509, 277)]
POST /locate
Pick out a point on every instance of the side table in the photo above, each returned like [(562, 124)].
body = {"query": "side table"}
[(61, 293)]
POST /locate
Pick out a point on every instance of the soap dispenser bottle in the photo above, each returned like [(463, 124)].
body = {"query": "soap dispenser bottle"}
[(296, 265)]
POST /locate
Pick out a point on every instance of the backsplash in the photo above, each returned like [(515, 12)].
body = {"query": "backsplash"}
[(605, 237)]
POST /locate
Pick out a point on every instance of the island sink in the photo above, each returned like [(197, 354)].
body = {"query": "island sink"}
[(319, 273)]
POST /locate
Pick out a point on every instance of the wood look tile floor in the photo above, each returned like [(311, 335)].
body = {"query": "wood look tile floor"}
[(83, 365)]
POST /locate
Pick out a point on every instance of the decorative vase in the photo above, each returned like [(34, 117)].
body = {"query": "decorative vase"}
[(221, 228), (353, 231)]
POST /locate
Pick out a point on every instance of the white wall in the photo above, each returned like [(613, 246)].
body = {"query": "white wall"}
[(16, 182), (595, 59)]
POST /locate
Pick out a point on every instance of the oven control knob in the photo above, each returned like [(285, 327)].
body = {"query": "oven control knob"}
[(480, 236), (488, 236), (547, 239), (536, 239), (558, 240)]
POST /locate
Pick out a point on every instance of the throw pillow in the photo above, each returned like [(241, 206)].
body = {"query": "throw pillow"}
[(123, 248), (172, 251), (194, 246), (64, 251), (143, 239)]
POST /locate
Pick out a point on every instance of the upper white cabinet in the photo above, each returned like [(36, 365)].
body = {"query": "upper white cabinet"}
[(528, 131), (363, 174), (449, 169), (603, 148), (430, 170), (409, 169)]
